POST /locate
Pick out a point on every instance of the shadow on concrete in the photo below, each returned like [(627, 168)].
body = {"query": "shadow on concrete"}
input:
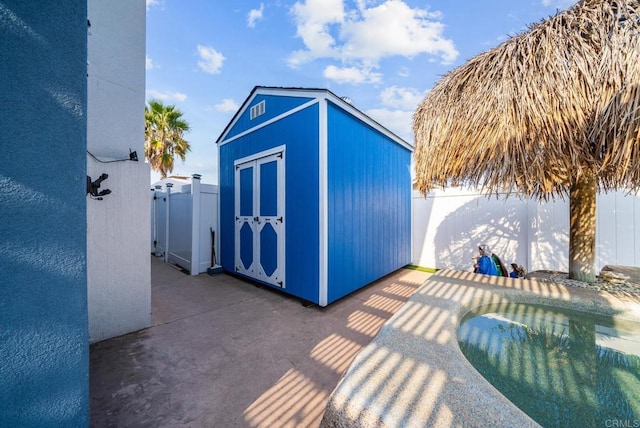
[(224, 352), (413, 372)]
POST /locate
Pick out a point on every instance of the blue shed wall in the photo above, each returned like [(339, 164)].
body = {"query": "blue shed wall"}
[(275, 106), (369, 204), (43, 293), (299, 132)]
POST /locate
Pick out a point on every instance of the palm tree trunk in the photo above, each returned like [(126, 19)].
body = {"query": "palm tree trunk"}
[(582, 228)]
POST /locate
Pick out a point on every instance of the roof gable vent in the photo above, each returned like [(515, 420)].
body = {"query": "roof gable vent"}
[(257, 110)]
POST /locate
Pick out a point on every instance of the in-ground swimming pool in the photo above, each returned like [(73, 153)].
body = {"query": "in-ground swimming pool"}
[(561, 367)]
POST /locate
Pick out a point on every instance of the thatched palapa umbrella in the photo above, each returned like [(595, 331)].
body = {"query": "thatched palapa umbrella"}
[(551, 112)]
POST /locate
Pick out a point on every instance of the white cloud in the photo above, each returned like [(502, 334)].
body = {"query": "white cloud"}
[(393, 28), (399, 105), (558, 4), (210, 59), (149, 63), (402, 98), (361, 37), (165, 96), (255, 15), (152, 3), (351, 75), (313, 20), (404, 72), (400, 122), (227, 106)]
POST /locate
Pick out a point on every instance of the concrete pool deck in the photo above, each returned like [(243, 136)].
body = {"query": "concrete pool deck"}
[(413, 373)]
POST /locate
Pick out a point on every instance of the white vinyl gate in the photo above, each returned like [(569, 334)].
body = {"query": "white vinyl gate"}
[(184, 225)]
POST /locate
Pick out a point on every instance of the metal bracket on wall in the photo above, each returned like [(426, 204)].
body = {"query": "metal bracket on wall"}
[(93, 186)]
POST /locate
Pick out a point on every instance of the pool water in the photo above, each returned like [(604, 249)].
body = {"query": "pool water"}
[(561, 367)]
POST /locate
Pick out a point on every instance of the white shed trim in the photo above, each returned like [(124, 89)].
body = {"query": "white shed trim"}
[(323, 191), (269, 122)]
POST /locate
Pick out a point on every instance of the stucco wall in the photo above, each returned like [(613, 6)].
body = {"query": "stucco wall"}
[(118, 263), (43, 305)]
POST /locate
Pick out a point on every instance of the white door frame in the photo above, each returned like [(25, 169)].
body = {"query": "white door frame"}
[(257, 222)]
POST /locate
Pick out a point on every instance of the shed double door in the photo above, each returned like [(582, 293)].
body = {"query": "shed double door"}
[(259, 217)]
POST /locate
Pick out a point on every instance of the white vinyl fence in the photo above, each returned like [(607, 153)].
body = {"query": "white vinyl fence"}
[(184, 220), (448, 225)]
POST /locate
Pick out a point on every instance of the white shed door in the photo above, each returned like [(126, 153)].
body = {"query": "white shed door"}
[(259, 214)]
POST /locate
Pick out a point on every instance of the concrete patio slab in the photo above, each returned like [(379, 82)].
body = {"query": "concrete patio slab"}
[(224, 352)]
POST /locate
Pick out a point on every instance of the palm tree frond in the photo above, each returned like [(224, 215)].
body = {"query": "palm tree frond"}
[(164, 130)]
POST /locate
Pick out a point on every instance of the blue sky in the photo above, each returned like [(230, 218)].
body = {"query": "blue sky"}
[(205, 56)]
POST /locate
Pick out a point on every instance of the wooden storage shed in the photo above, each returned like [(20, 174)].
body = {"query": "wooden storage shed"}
[(315, 196)]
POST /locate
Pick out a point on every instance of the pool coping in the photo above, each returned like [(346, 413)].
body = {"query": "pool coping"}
[(413, 372)]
